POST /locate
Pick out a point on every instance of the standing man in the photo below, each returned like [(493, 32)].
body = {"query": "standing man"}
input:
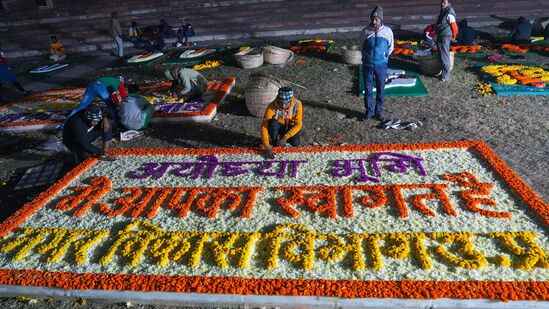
[(193, 83), (116, 33), (447, 31), (376, 45), (282, 122)]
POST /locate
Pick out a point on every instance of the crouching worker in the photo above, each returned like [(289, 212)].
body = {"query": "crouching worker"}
[(282, 122), (135, 110), (109, 89), (83, 128), (193, 83)]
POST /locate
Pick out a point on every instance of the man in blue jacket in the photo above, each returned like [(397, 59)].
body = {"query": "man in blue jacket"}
[(376, 43)]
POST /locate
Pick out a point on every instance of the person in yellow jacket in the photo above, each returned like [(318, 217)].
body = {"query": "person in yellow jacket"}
[(57, 49), (282, 122)]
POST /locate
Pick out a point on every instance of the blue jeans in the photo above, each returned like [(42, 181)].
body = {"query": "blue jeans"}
[(380, 74), (94, 90), (119, 46)]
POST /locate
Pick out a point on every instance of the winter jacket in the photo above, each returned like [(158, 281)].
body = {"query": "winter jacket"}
[(291, 117), (115, 28), (376, 46), (190, 79), (57, 48), (446, 26)]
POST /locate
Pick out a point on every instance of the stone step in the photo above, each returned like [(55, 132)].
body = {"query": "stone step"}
[(244, 18)]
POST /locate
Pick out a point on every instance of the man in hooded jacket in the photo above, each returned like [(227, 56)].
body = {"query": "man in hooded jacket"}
[(376, 44)]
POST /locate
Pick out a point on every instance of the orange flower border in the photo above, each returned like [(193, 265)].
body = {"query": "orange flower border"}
[(504, 291), (222, 86), (431, 289)]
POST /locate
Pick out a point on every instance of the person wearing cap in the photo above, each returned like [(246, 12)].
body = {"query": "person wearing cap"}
[(447, 31), (282, 122), (193, 84), (83, 129), (376, 44), (109, 89), (135, 110)]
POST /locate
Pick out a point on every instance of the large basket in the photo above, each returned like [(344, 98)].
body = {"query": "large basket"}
[(351, 56), (260, 92), (275, 55), (430, 65), (250, 58)]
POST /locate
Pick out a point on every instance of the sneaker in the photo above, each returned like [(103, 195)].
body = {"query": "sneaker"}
[(439, 74)]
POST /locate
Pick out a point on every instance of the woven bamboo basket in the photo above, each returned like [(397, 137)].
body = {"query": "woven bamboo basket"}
[(260, 92), (249, 59), (430, 65), (275, 55), (351, 56)]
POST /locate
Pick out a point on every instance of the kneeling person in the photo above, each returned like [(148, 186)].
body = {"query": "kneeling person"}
[(193, 83), (85, 127), (282, 122), (135, 110)]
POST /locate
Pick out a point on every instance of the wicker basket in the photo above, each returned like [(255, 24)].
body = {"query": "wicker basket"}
[(275, 55), (430, 65), (351, 56), (250, 58), (260, 92)]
